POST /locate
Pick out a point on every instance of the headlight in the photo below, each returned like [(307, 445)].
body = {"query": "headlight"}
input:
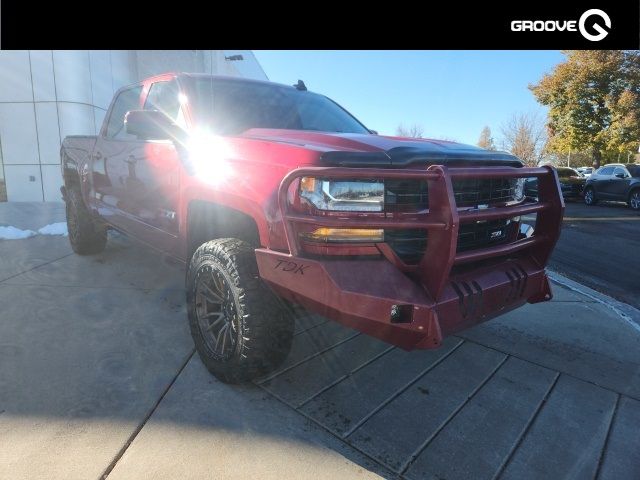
[(343, 195), (518, 189)]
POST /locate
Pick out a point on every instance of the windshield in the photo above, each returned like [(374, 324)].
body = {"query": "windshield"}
[(231, 107)]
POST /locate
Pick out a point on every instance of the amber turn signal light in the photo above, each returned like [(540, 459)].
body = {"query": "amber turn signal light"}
[(325, 234)]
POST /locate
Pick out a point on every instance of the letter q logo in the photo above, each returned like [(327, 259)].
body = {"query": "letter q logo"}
[(601, 31)]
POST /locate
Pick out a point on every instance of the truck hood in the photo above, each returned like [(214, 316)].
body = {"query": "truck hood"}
[(360, 150)]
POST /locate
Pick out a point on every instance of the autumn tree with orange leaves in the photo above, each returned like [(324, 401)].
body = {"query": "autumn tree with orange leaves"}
[(594, 103)]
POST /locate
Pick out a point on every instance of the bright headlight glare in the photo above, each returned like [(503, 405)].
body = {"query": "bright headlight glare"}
[(325, 234), (343, 195)]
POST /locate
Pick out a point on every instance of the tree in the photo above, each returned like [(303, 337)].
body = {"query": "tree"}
[(594, 103), (486, 140), (414, 131), (524, 136)]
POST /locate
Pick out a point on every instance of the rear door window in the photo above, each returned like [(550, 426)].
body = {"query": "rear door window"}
[(605, 171)]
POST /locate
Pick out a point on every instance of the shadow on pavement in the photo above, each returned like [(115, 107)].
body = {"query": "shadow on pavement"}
[(98, 375)]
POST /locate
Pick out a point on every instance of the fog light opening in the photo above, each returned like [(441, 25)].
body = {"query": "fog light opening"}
[(401, 314)]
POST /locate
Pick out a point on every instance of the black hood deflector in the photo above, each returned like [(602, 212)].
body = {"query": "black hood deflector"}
[(403, 157)]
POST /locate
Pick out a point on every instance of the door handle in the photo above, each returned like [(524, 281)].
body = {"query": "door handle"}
[(131, 160)]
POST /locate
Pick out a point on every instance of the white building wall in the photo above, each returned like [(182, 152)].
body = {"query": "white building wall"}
[(47, 95)]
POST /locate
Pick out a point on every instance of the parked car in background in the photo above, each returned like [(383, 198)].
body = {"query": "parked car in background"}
[(571, 182), (585, 171), (616, 181)]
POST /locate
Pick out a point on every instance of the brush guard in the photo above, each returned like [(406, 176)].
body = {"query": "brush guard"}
[(378, 297)]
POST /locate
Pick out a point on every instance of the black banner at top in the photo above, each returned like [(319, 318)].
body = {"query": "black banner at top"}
[(596, 25)]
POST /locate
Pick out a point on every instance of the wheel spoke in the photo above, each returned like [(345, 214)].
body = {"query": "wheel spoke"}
[(214, 323), (224, 339), (218, 298), (216, 313), (209, 298), (220, 335), (231, 331)]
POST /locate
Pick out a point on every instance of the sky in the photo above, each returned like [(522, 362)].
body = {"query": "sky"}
[(451, 94)]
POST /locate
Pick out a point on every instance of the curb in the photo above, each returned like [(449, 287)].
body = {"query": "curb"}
[(630, 315)]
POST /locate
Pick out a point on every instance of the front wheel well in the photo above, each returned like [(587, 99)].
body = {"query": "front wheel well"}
[(209, 221)]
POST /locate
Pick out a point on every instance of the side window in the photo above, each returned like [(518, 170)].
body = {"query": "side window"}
[(605, 171), (163, 96), (620, 170), (126, 100)]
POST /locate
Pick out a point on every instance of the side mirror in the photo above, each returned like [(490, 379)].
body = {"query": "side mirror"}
[(149, 125), (621, 175)]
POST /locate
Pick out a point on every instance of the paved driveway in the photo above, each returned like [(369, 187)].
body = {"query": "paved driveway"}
[(98, 378), (599, 247)]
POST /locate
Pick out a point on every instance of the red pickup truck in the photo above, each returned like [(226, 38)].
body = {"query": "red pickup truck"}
[(272, 194)]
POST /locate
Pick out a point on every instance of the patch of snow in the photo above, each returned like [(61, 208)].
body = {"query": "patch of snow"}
[(59, 228), (13, 233)]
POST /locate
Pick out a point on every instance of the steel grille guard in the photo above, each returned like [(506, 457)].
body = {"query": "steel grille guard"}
[(447, 291)]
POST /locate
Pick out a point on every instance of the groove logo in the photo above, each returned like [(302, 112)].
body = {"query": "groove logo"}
[(568, 25)]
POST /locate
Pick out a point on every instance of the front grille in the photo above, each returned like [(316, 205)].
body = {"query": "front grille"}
[(482, 234), (410, 244), (474, 191), (405, 195), (411, 195)]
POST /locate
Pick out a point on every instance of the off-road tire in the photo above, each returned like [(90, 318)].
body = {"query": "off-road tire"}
[(86, 234), (264, 325), (590, 196)]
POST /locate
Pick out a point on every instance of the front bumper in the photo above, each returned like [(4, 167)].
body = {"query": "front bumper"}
[(448, 291), (364, 294)]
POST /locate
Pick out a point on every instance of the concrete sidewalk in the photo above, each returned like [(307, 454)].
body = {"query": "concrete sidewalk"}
[(98, 377)]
